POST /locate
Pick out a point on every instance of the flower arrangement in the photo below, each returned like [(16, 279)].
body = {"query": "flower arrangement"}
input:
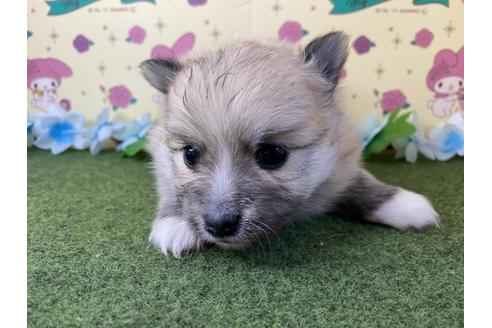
[(58, 130), (404, 134)]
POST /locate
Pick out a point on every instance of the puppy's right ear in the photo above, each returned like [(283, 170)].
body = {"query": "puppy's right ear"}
[(160, 72)]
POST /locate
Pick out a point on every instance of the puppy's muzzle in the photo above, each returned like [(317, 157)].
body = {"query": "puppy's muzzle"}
[(222, 223)]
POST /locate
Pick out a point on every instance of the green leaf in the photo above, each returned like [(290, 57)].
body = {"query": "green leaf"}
[(397, 127), (392, 116), (378, 144), (135, 148)]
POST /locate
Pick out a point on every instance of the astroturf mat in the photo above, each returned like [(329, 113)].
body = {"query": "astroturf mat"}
[(90, 263)]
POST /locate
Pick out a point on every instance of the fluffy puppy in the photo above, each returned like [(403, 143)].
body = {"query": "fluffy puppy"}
[(252, 138)]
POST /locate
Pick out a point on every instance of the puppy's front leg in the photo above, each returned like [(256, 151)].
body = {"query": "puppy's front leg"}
[(375, 201), (173, 235)]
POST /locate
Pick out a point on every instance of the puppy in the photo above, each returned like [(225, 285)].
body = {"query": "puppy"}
[(252, 138)]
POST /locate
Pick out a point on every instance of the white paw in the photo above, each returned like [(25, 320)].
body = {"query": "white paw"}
[(173, 235), (406, 210)]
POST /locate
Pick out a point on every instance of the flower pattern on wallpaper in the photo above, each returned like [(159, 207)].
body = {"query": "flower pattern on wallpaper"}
[(447, 79), (197, 2), (123, 35), (120, 97), (180, 48), (391, 100), (423, 38), (362, 45), (82, 43), (291, 31), (44, 76), (136, 35)]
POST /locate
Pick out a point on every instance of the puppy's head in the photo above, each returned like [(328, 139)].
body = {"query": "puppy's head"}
[(250, 133)]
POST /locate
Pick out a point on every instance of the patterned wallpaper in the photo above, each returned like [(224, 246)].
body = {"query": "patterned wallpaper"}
[(83, 54)]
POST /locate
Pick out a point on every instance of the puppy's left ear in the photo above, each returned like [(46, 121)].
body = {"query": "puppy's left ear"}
[(328, 54), (160, 73)]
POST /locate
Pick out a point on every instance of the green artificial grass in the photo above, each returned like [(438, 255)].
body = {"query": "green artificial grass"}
[(90, 264)]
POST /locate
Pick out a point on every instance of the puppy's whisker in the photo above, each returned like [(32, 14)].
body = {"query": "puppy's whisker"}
[(269, 228), (264, 231), (257, 239)]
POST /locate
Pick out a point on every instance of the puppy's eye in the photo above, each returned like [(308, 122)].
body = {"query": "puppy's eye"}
[(190, 156), (270, 157), (439, 85)]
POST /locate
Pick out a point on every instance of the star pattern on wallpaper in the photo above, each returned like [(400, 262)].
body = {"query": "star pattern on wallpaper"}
[(276, 8), (396, 41), (160, 25), (372, 49), (53, 35), (215, 33), (449, 29), (112, 39), (379, 71), (102, 68)]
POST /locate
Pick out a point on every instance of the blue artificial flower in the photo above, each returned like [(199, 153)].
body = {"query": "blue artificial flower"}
[(98, 135), (132, 132), (411, 146), (58, 132), (448, 139), (32, 132), (371, 128)]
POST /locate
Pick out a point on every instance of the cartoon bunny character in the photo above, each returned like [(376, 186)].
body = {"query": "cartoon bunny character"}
[(446, 78), (44, 78)]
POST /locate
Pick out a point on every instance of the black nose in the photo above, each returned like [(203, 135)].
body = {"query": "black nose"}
[(222, 224)]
